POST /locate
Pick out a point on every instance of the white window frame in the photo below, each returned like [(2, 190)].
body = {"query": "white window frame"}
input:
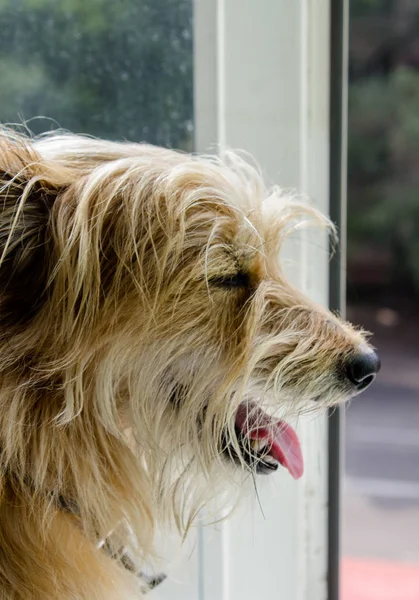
[(262, 83)]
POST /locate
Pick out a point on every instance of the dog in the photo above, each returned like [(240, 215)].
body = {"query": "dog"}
[(151, 350)]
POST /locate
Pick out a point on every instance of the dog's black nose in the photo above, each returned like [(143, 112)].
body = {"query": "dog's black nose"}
[(361, 369)]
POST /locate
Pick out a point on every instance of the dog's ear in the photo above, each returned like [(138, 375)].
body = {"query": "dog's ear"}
[(28, 188)]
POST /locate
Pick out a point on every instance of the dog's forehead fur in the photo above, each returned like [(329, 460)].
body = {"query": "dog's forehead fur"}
[(216, 207)]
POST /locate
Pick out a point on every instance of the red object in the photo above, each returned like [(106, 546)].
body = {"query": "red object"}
[(371, 579)]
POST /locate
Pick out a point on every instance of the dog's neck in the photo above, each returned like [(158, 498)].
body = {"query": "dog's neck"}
[(121, 556)]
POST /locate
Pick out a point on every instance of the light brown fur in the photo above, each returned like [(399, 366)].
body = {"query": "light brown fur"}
[(124, 354)]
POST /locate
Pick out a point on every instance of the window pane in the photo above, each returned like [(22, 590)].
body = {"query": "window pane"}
[(111, 69), (381, 508)]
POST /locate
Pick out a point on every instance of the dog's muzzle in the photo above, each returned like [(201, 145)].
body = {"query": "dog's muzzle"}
[(265, 443)]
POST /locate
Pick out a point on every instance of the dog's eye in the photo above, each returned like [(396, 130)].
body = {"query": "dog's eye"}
[(234, 280)]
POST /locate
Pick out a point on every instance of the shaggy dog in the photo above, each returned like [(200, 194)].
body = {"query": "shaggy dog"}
[(150, 348)]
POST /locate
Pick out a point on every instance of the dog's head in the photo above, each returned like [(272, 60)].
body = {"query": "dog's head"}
[(142, 290)]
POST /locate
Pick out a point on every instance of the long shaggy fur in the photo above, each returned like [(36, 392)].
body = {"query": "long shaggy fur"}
[(141, 303)]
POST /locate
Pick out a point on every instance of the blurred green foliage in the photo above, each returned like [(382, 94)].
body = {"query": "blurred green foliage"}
[(383, 155), (371, 7), (110, 68)]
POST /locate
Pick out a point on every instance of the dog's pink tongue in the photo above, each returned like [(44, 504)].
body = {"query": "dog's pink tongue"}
[(285, 448), (282, 438)]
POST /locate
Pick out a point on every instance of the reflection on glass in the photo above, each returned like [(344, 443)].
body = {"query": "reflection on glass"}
[(111, 69), (381, 501)]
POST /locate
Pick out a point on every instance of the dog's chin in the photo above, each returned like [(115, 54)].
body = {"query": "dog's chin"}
[(264, 443)]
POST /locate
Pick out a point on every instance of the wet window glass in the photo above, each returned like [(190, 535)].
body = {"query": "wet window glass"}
[(110, 69)]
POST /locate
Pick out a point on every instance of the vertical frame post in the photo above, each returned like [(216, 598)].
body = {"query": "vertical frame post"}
[(339, 35)]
